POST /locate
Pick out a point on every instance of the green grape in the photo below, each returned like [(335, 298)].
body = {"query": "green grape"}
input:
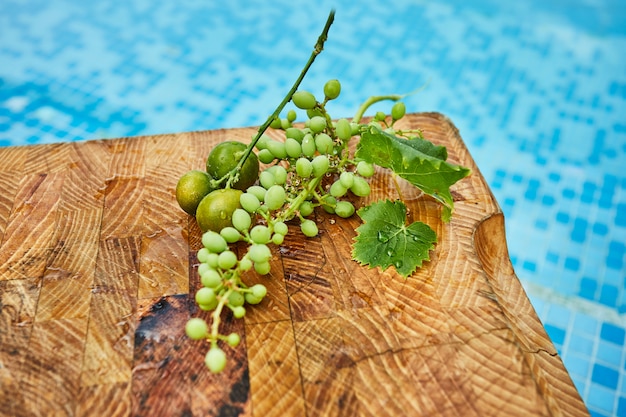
[(241, 220), (317, 124), (303, 100), (320, 165), (227, 259), (324, 143), (267, 179), (293, 148), (203, 267), (215, 360), (285, 124), (314, 112), (211, 261), (260, 234), (245, 264), (398, 111), (230, 234), (329, 204), (355, 128), (278, 239), (276, 123), (251, 298), (236, 299), (380, 116), (262, 142), (239, 312), (294, 133), (344, 209), (275, 197), (338, 189), (211, 278), (280, 174), (265, 156), (360, 187), (258, 191), (208, 307), (233, 340), (365, 169), (332, 88), (262, 268), (304, 168), (249, 202), (343, 129), (214, 242), (205, 296), (306, 208), (259, 290), (203, 255), (308, 145), (259, 253), (309, 228), (277, 149), (291, 115), (281, 228), (347, 179), (196, 328)]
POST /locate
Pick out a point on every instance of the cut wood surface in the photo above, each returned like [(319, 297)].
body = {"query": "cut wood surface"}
[(98, 270)]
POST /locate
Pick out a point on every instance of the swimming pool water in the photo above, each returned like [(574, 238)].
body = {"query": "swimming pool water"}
[(537, 89)]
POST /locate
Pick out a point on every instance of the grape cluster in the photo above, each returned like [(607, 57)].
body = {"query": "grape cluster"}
[(312, 167)]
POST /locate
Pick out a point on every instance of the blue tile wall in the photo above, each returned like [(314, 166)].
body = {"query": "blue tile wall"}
[(537, 89)]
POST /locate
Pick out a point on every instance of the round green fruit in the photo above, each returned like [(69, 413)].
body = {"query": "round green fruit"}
[(191, 188), (215, 211), (224, 157)]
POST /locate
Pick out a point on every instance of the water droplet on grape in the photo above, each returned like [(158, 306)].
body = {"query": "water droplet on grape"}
[(223, 215)]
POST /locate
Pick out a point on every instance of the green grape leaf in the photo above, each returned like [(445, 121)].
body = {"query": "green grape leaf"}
[(422, 165), (385, 240)]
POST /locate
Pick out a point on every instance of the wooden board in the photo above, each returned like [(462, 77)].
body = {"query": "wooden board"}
[(97, 262)]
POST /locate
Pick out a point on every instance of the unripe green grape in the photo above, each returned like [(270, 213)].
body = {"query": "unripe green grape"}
[(262, 142), (205, 295), (275, 197), (314, 112), (365, 169), (306, 208), (343, 129), (380, 116), (277, 149), (265, 156), (280, 174), (245, 264), (317, 124), (303, 100), (233, 340), (235, 299), (262, 268), (278, 239), (324, 143), (281, 228), (259, 253), (360, 188), (259, 290), (203, 255), (291, 115), (304, 168), (211, 278), (294, 133), (230, 234), (338, 189), (293, 148), (227, 259), (267, 179), (208, 307), (249, 202), (320, 165), (196, 328), (211, 261), (332, 88), (258, 191), (308, 145), (355, 128), (344, 209), (276, 123), (398, 111), (347, 179), (285, 124), (241, 220), (215, 360), (203, 267), (329, 204), (239, 312), (214, 242), (251, 298), (260, 234), (309, 228)]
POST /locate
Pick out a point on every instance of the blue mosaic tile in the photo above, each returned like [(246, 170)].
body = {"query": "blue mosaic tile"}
[(613, 333)]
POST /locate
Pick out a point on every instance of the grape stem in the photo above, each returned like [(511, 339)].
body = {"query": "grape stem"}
[(317, 49), (370, 101)]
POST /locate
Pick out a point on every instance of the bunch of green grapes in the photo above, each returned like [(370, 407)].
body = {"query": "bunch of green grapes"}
[(237, 201)]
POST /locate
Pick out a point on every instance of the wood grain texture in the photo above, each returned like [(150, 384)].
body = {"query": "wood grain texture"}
[(98, 270)]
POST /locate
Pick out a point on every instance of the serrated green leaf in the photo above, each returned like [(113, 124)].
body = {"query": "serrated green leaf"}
[(429, 173), (385, 240)]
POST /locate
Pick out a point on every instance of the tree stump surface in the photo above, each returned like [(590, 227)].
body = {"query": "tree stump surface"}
[(98, 270)]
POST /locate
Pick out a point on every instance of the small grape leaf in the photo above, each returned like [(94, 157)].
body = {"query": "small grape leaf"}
[(408, 160), (385, 240)]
